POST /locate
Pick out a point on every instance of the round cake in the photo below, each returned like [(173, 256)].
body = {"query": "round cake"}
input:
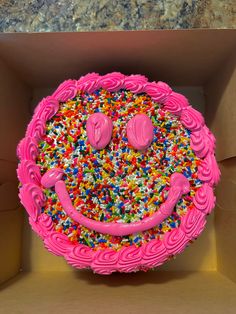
[(117, 173)]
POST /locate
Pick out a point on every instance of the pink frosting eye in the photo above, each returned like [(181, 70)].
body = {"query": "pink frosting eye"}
[(99, 130), (140, 131), (50, 178)]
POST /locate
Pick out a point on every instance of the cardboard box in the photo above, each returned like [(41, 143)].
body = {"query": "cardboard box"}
[(201, 65)]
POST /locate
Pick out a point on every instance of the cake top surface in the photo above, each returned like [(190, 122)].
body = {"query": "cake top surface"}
[(115, 163)]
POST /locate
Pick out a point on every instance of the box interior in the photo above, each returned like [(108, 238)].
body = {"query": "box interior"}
[(194, 63)]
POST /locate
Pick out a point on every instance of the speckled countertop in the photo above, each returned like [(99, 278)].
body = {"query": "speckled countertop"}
[(97, 15)]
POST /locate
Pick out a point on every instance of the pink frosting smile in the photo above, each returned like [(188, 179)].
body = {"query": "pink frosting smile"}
[(179, 185), (51, 177)]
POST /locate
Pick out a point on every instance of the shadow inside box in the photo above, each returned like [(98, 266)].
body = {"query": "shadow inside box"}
[(131, 279), (12, 280)]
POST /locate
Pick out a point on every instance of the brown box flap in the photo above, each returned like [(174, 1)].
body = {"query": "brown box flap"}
[(221, 109), (14, 111), (225, 218), (152, 292), (9, 196), (8, 171), (10, 243), (178, 57), (225, 241), (226, 189)]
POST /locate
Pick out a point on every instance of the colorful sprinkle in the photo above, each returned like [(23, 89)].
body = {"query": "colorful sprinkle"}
[(116, 183)]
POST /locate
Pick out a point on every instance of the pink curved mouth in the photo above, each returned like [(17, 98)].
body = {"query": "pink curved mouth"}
[(179, 186)]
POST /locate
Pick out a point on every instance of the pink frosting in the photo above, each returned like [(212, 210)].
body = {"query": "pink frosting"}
[(140, 131), (129, 259), (99, 130), (88, 83), (158, 91), (32, 198), (46, 109), (199, 143), (208, 170), (43, 226), (36, 227), (105, 261), (210, 137), (202, 142), (135, 83), (204, 199), (57, 243), (51, 177), (175, 241), (36, 129), (154, 253), (175, 103), (191, 119), (46, 224), (179, 186), (193, 223), (80, 256), (28, 172), (67, 90), (112, 81), (27, 149)]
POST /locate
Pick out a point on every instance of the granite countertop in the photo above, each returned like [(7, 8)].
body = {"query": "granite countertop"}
[(101, 15)]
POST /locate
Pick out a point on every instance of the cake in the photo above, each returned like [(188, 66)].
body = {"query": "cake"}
[(117, 173)]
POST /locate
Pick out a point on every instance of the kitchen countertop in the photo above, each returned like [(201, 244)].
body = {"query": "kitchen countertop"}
[(107, 15)]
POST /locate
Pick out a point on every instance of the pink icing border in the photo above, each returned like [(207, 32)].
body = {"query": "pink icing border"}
[(155, 252)]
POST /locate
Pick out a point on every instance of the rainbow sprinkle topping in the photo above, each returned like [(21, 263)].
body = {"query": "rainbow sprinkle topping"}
[(117, 183)]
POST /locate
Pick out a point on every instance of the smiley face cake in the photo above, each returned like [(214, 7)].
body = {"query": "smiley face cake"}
[(117, 173)]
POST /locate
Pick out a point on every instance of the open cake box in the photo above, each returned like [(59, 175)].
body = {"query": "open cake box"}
[(198, 63)]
